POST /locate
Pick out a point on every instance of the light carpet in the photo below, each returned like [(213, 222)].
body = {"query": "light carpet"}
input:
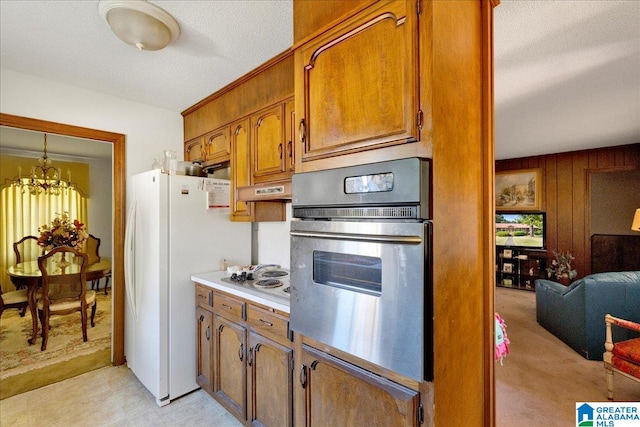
[(541, 380), (24, 367)]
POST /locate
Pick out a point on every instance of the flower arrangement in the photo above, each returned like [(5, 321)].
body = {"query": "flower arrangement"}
[(561, 266), (63, 232)]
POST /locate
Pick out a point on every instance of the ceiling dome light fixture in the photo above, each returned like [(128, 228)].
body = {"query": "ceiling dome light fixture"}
[(140, 23)]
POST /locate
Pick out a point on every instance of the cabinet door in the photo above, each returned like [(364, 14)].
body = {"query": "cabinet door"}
[(357, 86), (193, 150), (240, 169), (230, 375), (290, 124), (339, 393), (216, 145), (271, 382), (204, 328), (268, 142)]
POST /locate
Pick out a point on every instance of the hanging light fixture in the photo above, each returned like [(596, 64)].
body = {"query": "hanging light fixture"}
[(43, 177), (140, 23)]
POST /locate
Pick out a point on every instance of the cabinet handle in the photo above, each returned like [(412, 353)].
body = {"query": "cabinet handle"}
[(228, 307), (201, 317), (250, 359), (280, 150), (303, 376), (302, 131), (208, 333), (264, 322), (290, 149), (241, 352)]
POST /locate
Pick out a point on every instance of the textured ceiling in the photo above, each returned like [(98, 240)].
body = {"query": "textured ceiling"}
[(68, 41), (567, 73)]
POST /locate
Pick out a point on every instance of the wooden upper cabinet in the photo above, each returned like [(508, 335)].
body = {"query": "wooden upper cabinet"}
[(310, 17), (216, 146), (193, 150), (268, 142), (290, 124), (357, 85), (241, 171)]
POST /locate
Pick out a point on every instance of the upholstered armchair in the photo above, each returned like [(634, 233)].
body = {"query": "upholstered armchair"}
[(622, 357), (574, 313)]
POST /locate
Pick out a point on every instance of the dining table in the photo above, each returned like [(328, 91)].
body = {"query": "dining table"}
[(28, 275)]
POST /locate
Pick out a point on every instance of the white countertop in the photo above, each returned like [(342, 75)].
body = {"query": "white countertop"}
[(213, 280)]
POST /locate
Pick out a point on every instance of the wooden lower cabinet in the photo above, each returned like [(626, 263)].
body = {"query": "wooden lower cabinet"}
[(204, 340), (245, 359), (270, 382), (339, 393), (246, 363), (230, 368)]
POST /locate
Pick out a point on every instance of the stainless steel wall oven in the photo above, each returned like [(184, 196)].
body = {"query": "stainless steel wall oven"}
[(361, 262)]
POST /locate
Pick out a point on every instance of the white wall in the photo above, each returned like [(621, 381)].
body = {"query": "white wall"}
[(100, 204), (148, 130), (273, 241)]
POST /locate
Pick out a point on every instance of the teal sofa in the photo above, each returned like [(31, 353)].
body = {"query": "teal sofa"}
[(575, 313)]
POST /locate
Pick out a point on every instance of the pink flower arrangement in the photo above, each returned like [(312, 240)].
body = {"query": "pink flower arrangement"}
[(63, 232)]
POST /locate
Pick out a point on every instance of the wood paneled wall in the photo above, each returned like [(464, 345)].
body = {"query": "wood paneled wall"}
[(566, 195)]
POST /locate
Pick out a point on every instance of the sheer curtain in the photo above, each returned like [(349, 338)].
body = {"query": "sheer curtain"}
[(24, 213)]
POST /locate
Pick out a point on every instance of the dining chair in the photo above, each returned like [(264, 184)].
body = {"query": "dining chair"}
[(92, 247), (27, 249), (14, 299), (64, 289)]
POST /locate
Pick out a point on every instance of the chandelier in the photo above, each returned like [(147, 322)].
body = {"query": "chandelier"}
[(43, 177)]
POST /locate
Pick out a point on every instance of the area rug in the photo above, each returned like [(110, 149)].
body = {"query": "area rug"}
[(24, 367)]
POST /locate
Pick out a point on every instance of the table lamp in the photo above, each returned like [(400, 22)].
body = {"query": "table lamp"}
[(635, 226)]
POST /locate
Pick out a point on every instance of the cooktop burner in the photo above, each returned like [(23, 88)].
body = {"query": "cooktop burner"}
[(267, 283), (274, 281), (274, 273)]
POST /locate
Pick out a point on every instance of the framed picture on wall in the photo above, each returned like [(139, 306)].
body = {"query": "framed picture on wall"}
[(518, 190)]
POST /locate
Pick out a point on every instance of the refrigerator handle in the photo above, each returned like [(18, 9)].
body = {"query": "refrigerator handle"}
[(129, 261)]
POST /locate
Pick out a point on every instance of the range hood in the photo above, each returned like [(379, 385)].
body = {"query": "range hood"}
[(274, 191)]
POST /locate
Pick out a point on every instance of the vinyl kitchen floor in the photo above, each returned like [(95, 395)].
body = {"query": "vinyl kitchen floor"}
[(110, 396)]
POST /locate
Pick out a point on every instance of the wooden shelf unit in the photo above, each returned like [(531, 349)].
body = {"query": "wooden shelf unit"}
[(518, 268)]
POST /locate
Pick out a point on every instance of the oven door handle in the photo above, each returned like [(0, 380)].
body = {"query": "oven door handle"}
[(407, 240)]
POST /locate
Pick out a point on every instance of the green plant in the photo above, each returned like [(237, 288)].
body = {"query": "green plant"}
[(561, 266)]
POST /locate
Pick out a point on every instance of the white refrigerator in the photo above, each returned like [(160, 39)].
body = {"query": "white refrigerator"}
[(176, 226)]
